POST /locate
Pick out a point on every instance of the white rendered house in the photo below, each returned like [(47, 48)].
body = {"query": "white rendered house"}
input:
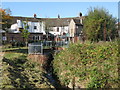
[(33, 26)]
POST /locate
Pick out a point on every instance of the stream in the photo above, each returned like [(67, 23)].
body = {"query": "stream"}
[(52, 78)]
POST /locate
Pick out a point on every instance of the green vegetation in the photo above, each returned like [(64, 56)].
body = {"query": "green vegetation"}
[(20, 73), (88, 65), (25, 33), (5, 18), (99, 25)]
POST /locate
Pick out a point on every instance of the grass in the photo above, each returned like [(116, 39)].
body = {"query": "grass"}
[(21, 73)]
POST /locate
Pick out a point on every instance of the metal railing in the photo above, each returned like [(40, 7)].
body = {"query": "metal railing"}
[(35, 48)]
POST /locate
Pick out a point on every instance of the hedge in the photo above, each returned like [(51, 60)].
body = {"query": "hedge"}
[(88, 65)]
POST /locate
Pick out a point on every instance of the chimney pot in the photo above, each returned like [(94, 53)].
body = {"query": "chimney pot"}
[(80, 14), (35, 15)]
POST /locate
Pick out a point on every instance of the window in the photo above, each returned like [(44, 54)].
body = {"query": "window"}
[(36, 37), (57, 29), (4, 38), (35, 27), (39, 37), (33, 37)]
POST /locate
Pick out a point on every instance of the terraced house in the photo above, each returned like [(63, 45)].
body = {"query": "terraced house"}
[(62, 29)]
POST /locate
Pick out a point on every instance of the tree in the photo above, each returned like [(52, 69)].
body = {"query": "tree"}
[(5, 18), (99, 25), (25, 33)]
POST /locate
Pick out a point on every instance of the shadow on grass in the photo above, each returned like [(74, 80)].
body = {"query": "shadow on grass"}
[(24, 51), (16, 68), (17, 78)]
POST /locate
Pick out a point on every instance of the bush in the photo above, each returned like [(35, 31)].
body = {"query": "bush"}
[(92, 65), (18, 44)]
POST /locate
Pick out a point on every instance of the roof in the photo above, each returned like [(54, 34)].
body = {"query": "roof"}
[(60, 21), (57, 22), (49, 21), (77, 21), (15, 18)]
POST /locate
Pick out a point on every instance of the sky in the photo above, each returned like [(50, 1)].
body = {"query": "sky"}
[(52, 9)]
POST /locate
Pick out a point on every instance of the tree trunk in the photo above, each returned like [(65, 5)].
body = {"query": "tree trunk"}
[(110, 38)]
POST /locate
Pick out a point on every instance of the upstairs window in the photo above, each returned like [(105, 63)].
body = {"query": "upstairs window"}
[(57, 29), (35, 27)]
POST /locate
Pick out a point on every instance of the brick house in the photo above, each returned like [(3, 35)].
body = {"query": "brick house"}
[(17, 37), (62, 28), (75, 29)]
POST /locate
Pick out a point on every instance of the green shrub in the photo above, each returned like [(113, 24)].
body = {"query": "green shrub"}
[(94, 65), (18, 44)]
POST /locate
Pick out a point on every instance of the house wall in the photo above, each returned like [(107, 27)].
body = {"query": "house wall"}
[(19, 24), (72, 28), (18, 37), (15, 28), (78, 30), (74, 31), (40, 27), (63, 29)]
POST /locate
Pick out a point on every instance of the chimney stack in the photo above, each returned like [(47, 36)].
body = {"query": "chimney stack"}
[(58, 16), (35, 15), (80, 14)]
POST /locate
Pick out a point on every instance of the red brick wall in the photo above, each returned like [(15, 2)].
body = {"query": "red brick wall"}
[(76, 39), (18, 37)]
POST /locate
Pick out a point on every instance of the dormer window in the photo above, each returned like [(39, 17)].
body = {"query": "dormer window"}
[(35, 27)]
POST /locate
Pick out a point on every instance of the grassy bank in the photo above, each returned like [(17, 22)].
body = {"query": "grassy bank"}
[(19, 72), (88, 65)]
